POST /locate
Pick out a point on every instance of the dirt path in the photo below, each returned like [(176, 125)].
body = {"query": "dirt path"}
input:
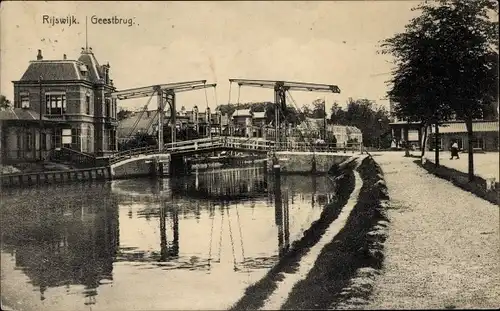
[(443, 245)]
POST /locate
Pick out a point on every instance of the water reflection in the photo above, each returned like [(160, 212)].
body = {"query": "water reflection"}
[(218, 228), (63, 242)]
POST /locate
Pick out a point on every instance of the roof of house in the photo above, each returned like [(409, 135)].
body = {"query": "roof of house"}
[(64, 70), (125, 126), (95, 71), (312, 124), (20, 114), (53, 70), (477, 126), (259, 114), (242, 113), (353, 130)]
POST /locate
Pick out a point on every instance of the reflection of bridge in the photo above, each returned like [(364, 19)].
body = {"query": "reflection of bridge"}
[(230, 185)]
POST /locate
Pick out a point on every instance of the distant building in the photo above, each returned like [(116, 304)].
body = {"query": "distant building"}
[(313, 128), (485, 132), (73, 99), (242, 122), (146, 122), (485, 135)]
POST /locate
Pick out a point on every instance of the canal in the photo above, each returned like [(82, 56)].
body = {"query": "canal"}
[(195, 242)]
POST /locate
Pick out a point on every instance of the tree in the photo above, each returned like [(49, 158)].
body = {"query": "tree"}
[(4, 102), (316, 111), (338, 115), (371, 120), (123, 114), (446, 65)]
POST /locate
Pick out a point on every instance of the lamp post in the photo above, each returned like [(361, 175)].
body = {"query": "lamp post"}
[(41, 120)]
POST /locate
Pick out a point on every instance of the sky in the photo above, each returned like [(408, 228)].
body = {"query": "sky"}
[(331, 42)]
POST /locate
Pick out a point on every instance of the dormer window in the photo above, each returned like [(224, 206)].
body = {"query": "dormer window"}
[(105, 71), (25, 100), (83, 70)]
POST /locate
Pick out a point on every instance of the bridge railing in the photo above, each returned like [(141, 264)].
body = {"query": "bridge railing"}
[(76, 158), (190, 142), (246, 143), (196, 146), (311, 147), (120, 156)]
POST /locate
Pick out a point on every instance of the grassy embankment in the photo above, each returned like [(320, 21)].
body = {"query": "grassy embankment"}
[(344, 272), (256, 294)]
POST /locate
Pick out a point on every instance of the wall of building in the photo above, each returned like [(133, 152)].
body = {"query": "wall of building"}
[(490, 140), (76, 111), (16, 147)]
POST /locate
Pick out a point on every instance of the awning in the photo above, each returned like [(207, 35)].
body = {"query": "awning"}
[(480, 126)]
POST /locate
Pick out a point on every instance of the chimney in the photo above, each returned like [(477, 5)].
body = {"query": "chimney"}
[(64, 56), (39, 56)]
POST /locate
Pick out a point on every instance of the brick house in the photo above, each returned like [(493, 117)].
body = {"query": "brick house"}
[(75, 93)]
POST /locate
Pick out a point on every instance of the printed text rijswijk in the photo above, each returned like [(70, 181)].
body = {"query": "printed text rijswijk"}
[(71, 20)]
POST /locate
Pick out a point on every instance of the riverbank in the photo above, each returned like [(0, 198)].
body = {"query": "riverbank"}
[(255, 295), (442, 249), (343, 272)]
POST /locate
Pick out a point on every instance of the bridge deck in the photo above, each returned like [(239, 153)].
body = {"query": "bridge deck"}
[(219, 143)]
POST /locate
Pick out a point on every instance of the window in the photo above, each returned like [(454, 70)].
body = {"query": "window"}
[(114, 108), (57, 138), (55, 104), (478, 142), (87, 104), (108, 108), (19, 145), (43, 141), (29, 141), (25, 101)]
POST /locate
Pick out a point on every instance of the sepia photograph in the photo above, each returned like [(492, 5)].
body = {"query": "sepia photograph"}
[(249, 155)]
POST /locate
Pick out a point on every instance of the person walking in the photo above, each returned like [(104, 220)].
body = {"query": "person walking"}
[(454, 150)]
